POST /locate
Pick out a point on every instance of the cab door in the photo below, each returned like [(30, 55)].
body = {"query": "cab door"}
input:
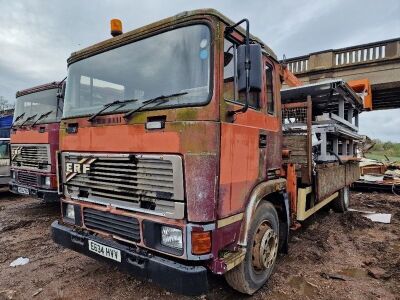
[(250, 141)]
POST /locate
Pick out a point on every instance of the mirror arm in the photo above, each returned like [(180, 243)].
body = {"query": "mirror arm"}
[(247, 65)]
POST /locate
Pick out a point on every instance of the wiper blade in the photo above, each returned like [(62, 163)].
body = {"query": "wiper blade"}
[(108, 105), (27, 119), (162, 99), (42, 116), (18, 118)]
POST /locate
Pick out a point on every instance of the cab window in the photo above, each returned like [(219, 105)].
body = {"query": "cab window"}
[(269, 90), (229, 71)]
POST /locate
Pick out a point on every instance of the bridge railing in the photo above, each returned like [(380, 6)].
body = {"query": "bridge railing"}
[(338, 58)]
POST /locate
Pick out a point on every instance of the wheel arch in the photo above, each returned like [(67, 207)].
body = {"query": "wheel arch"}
[(273, 191)]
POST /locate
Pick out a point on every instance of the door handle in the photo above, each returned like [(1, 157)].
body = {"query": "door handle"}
[(262, 143)]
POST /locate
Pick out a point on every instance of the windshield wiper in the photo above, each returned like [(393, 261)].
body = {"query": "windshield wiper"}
[(42, 116), (161, 98), (108, 105), (18, 118), (27, 119)]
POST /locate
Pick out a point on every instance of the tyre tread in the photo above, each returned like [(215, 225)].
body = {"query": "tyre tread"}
[(236, 277), (338, 205)]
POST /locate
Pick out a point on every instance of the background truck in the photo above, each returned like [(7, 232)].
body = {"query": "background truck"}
[(173, 160), (34, 141)]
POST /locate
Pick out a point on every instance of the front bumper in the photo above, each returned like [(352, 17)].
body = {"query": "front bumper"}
[(171, 275), (4, 180), (43, 194)]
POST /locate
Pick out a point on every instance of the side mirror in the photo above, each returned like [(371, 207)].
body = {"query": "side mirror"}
[(255, 72)]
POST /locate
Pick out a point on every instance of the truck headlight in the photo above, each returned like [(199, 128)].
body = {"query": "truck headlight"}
[(171, 237), (47, 181), (70, 212), (12, 174)]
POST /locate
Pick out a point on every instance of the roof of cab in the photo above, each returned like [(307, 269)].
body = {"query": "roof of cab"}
[(39, 88), (130, 36)]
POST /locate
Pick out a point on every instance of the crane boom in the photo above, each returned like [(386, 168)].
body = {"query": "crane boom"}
[(288, 77)]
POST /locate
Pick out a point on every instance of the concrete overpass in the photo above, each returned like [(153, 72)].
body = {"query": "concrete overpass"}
[(379, 62)]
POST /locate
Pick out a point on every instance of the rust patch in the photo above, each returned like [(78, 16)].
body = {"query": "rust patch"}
[(201, 186), (329, 180)]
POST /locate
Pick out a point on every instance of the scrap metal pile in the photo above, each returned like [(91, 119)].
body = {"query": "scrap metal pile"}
[(376, 175)]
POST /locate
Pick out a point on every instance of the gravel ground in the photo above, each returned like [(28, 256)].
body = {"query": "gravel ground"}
[(333, 256)]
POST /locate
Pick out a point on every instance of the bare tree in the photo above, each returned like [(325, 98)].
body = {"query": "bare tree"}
[(5, 105)]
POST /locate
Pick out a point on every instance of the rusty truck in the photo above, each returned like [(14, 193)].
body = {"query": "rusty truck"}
[(34, 141), (175, 158)]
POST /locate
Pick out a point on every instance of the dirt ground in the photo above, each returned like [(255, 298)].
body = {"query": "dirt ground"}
[(333, 256)]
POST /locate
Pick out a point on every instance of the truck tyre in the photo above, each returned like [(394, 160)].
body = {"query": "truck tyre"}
[(341, 203), (262, 249)]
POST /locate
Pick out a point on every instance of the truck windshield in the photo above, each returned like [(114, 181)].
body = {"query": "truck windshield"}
[(37, 104), (176, 61)]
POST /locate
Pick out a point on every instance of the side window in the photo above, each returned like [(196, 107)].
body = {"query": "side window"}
[(269, 89), (230, 79), (229, 70)]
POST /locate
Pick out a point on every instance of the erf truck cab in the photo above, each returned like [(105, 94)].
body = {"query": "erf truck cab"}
[(34, 141), (170, 159)]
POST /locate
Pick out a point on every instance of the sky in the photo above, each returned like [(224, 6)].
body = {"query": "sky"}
[(37, 36)]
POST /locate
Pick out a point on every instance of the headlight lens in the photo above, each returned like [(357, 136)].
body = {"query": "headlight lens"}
[(47, 181), (171, 237), (12, 174), (70, 212)]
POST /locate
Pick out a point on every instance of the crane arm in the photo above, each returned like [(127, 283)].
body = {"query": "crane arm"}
[(288, 77)]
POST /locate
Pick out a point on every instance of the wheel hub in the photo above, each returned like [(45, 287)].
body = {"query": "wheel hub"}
[(265, 247)]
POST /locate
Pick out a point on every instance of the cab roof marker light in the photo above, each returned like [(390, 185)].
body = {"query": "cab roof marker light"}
[(116, 27)]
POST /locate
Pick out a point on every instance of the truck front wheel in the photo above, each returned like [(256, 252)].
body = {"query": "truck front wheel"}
[(261, 252)]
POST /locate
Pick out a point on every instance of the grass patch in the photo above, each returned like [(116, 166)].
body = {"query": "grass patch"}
[(380, 149), (381, 156)]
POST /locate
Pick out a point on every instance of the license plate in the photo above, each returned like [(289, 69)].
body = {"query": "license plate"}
[(105, 251), (23, 190)]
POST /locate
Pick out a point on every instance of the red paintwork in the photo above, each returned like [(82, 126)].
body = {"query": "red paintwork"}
[(197, 142), (222, 158), (243, 164), (39, 88), (31, 135)]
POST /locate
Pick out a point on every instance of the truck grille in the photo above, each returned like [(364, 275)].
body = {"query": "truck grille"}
[(31, 156), (151, 183), (122, 226), (27, 178)]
